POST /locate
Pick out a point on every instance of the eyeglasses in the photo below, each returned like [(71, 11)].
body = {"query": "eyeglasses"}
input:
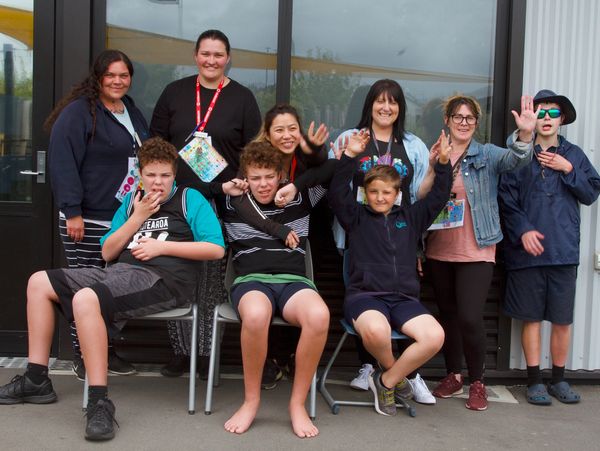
[(552, 112), (459, 118)]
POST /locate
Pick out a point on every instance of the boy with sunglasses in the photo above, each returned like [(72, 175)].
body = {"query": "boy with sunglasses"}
[(540, 207)]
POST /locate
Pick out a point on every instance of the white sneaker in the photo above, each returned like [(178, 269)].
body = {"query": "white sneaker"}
[(421, 393), (361, 381)]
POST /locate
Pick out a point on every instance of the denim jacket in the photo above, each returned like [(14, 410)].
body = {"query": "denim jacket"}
[(418, 154), (481, 169)]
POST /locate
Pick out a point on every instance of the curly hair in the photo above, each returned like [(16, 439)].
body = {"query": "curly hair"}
[(261, 154), (90, 86), (157, 149), (385, 173)]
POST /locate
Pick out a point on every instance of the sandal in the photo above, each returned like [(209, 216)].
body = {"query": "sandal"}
[(564, 393), (538, 395)]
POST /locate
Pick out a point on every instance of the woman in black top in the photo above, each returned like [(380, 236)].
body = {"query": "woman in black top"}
[(227, 112)]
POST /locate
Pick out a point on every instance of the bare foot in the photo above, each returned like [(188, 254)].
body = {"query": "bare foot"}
[(301, 423), (241, 420)]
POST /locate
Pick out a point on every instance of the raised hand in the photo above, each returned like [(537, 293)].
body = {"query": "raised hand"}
[(532, 242), (339, 146), (235, 187), (285, 195), (527, 119), (357, 143), (440, 150), (317, 138)]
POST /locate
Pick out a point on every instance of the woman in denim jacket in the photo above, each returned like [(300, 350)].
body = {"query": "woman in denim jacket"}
[(461, 252)]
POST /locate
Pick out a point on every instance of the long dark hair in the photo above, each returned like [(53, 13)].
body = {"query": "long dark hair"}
[(389, 88), (90, 86)]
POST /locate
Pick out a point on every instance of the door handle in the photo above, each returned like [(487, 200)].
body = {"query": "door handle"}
[(40, 171)]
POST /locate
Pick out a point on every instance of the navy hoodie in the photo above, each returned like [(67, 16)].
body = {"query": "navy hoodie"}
[(383, 249), (86, 171)]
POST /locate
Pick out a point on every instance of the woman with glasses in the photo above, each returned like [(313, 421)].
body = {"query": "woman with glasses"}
[(461, 253)]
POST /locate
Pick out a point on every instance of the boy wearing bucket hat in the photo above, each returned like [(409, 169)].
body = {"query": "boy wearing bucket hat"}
[(540, 208)]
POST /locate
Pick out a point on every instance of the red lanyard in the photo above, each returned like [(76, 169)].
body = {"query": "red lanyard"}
[(201, 124), (293, 169)]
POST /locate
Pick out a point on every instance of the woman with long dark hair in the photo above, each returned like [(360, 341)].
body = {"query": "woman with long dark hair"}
[(96, 130)]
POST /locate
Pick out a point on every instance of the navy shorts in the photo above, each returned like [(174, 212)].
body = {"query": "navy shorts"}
[(396, 308), (277, 293), (541, 293)]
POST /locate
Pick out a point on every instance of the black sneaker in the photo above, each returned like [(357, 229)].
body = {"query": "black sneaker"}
[(100, 419), (178, 365), (78, 368), (21, 390), (116, 365), (271, 375)]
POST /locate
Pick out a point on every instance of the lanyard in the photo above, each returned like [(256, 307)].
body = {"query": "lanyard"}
[(386, 159), (293, 169), (201, 124)]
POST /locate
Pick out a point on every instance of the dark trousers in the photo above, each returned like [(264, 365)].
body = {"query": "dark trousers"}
[(461, 291)]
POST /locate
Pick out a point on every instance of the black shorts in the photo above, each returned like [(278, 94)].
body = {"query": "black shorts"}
[(277, 293), (396, 308), (125, 291), (541, 293)]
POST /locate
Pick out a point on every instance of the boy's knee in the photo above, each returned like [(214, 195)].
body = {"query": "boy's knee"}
[(38, 282), (318, 319), (376, 332), (256, 319), (85, 302)]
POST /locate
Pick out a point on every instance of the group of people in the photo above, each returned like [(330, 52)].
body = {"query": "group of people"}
[(125, 199)]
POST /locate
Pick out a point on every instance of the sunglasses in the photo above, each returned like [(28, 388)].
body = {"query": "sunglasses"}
[(552, 112)]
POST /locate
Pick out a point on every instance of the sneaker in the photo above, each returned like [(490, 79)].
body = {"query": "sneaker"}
[(178, 365), (271, 375), (477, 397), (100, 419), (361, 381), (21, 390), (448, 386), (116, 365), (403, 391), (384, 397), (78, 368), (421, 393)]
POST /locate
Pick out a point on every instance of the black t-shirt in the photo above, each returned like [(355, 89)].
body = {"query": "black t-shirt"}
[(235, 121), (399, 159)]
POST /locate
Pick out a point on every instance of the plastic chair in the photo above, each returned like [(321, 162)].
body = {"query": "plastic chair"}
[(335, 404), (224, 313), (188, 313)]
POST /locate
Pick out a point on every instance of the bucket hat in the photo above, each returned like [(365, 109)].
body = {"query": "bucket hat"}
[(566, 107)]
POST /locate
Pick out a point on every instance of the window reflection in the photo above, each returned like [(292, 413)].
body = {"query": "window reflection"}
[(433, 49), (159, 36), (16, 87)]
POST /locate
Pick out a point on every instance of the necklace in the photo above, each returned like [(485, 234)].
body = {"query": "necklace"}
[(116, 108)]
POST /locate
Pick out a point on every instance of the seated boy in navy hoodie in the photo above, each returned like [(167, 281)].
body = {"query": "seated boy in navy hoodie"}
[(155, 240), (383, 288)]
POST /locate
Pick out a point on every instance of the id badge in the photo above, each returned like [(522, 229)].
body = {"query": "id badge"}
[(451, 216), (131, 180), (205, 136), (361, 197)]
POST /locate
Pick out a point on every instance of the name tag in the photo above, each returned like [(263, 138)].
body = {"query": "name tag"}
[(451, 216), (131, 180)]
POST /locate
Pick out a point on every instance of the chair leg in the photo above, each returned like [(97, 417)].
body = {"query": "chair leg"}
[(322, 388), (193, 361), (212, 363), (86, 385), (313, 398)]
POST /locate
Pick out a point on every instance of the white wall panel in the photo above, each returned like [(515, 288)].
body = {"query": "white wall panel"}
[(562, 53)]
